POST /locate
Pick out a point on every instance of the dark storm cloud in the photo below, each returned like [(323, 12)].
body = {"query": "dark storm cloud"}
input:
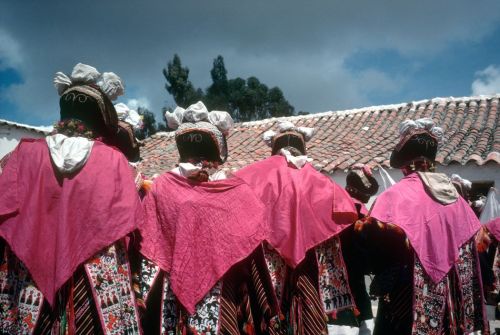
[(300, 46)]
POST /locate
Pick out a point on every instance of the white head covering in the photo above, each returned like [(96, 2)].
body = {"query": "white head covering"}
[(197, 117), (284, 126), (128, 115), (198, 112), (84, 74), (408, 126)]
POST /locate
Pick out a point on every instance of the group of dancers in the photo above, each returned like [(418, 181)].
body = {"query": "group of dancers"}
[(88, 245)]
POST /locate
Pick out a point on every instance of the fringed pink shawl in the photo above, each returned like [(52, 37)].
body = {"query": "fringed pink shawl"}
[(435, 231), (54, 223), (304, 207), (195, 231)]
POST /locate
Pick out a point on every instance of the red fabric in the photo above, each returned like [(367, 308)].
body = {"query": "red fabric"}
[(53, 224), (195, 231), (494, 228), (304, 207), (436, 231)]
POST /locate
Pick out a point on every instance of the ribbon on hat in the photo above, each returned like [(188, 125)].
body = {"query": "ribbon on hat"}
[(284, 126), (84, 74), (427, 124), (129, 115), (360, 166), (198, 112)]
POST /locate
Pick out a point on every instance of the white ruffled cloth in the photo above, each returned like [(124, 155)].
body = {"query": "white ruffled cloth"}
[(425, 123), (198, 112), (69, 154), (187, 170), (297, 161), (128, 115), (284, 126), (462, 181), (84, 74)]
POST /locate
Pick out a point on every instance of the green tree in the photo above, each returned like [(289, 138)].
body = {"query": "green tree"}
[(179, 85), (149, 124), (217, 93), (245, 100)]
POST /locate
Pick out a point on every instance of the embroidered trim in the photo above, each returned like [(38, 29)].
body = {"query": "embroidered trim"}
[(334, 287), (110, 278), (169, 316), (277, 270), (20, 300)]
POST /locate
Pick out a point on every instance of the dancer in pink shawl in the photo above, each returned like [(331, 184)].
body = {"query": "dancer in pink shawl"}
[(306, 211), (202, 272), (430, 283), (68, 201)]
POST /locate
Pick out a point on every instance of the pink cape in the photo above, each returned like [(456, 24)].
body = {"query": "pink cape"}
[(195, 231), (494, 228), (435, 231), (304, 207), (54, 224)]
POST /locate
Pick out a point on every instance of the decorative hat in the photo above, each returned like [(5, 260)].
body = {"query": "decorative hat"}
[(288, 136), (360, 183), (200, 134), (125, 140), (86, 96), (419, 140)]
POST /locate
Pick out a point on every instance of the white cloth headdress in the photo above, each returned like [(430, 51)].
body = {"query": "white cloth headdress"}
[(408, 126), (129, 115), (284, 126), (83, 74), (198, 112)]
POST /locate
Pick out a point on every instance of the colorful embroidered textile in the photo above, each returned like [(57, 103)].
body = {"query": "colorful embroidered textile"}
[(97, 300), (277, 270), (20, 301), (435, 231), (239, 304), (304, 207), (454, 304), (110, 281), (76, 216), (333, 281), (199, 227)]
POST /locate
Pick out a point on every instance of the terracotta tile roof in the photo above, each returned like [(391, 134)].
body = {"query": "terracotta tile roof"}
[(366, 135)]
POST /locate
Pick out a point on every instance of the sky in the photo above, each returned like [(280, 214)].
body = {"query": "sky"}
[(324, 54)]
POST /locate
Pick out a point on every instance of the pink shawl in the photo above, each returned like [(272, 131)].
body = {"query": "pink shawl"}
[(195, 231), (494, 228), (53, 223), (304, 207), (435, 231)]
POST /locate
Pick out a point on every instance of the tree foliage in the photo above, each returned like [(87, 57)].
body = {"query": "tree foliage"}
[(245, 100), (149, 126), (178, 84)]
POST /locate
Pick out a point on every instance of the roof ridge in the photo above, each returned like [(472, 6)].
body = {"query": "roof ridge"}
[(367, 109), (43, 129)]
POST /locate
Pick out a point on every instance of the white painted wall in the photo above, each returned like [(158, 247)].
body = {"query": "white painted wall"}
[(10, 136)]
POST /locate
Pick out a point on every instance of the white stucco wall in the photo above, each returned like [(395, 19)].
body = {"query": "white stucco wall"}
[(11, 135)]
